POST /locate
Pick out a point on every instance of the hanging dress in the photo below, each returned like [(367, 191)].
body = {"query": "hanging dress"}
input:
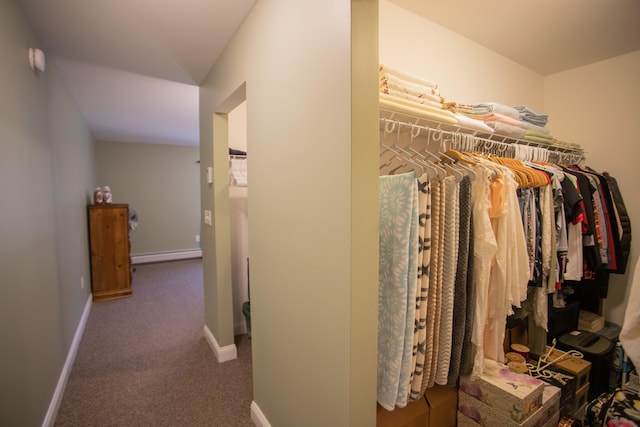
[(484, 248)]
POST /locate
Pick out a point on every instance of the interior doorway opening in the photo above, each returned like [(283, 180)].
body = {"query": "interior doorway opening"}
[(239, 217)]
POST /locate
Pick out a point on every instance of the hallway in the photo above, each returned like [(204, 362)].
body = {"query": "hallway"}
[(144, 360)]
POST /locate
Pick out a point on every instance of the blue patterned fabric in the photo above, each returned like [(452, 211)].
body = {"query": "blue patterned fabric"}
[(398, 208)]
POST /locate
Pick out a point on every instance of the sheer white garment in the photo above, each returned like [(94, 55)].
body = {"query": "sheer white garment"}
[(509, 274), (484, 248)]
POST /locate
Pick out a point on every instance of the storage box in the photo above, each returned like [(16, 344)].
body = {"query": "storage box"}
[(590, 321), (567, 384), (464, 421), (515, 395), (596, 349), (443, 404), (562, 320), (580, 368), (468, 422), (487, 416), (415, 414), (437, 408), (581, 396), (553, 421)]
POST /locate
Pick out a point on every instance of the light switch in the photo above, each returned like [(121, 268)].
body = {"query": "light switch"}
[(207, 217)]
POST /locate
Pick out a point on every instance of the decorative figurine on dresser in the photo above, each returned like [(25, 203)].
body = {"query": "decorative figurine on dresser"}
[(109, 247)]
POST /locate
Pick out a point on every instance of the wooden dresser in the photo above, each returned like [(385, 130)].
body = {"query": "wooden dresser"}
[(109, 246)]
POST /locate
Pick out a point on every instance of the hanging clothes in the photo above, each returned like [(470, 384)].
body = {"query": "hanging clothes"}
[(461, 290), (459, 255), (451, 216), (434, 307), (424, 257), (484, 248), (397, 277), (623, 243)]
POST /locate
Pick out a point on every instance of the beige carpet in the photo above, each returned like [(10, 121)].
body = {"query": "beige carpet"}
[(144, 361)]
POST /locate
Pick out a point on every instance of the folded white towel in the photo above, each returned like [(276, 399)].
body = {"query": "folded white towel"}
[(383, 69), (473, 124)]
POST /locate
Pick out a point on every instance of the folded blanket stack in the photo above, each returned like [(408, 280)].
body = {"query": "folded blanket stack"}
[(458, 107), (412, 94), (530, 116), (494, 107), (534, 123), (404, 92), (506, 129)]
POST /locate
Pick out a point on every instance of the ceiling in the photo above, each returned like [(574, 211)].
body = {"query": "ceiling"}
[(134, 66), (547, 36)]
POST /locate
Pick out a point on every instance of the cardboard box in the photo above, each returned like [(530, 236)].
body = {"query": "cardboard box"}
[(437, 408), (589, 321), (515, 395), (415, 414), (581, 396), (464, 421), (487, 416), (443, 405), (553, 421), (567, 384), (468, 422), (580, 368)]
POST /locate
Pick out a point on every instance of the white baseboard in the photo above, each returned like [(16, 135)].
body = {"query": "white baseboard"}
[(52, 412), (166, 256), (223, 354), (258, 418)]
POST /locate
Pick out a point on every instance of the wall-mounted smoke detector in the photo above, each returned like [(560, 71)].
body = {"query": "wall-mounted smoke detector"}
[(36, 59)]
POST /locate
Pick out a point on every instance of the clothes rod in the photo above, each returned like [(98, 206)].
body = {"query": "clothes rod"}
[(460, 136)]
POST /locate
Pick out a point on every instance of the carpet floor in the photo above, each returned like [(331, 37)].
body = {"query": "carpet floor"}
[(144, 360)]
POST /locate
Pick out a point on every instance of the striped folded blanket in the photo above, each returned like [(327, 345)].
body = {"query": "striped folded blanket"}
[(528, 115), (494, 107)]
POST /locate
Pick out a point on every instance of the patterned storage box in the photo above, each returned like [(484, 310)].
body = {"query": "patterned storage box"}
[(517, 396), (487, 416)]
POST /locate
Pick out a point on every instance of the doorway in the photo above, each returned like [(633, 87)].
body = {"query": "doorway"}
[(239, 216)]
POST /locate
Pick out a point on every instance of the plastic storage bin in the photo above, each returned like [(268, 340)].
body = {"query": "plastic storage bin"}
[(596, 349)]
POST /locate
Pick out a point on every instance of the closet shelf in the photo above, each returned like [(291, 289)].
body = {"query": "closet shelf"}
[(460, 135)]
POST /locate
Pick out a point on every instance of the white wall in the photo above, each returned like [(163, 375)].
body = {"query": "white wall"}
[(465, 71), (313, 293), (597, 107)]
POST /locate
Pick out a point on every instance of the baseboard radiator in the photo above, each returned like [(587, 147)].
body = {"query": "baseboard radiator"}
[(166, 256)]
